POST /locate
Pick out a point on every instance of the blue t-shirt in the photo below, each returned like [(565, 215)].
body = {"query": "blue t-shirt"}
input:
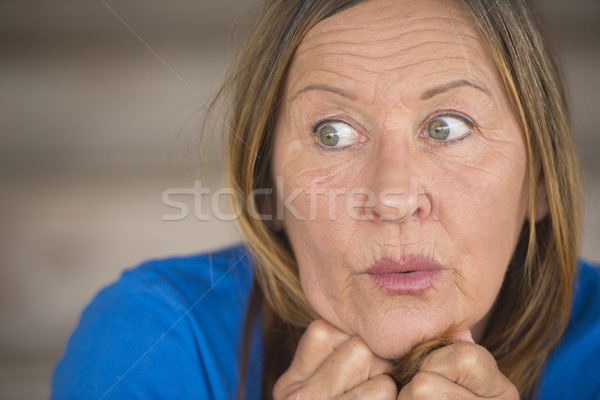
[(172, 329), (168, 329)]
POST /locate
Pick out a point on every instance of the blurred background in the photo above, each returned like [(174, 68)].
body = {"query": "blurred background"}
[(100, 110)]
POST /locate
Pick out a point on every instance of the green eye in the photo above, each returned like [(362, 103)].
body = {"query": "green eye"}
[(439, 129), (336, 134), (329, 136), (449, 128)]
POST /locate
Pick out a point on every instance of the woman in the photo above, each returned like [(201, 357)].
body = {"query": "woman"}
[(409, 173)]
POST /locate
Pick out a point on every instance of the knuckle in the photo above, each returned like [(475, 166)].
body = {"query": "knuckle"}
[(318, 331), (385, 386), (359, 349), (468, 355), (380, 387), (422, 386)]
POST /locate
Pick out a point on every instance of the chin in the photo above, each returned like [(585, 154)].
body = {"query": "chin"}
[(396, 336)]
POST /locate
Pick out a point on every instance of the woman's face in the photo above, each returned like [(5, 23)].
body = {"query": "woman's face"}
[(401, 168)]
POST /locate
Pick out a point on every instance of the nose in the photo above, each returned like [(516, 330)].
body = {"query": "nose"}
[(397, 203), (400, 186)]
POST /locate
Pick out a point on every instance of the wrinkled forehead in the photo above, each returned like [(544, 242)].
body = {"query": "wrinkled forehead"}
[(380, 43)]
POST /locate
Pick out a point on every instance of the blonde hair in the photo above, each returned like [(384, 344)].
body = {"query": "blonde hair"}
[(533, 306)]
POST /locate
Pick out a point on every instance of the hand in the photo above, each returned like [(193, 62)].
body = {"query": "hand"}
[(329, 364), (462, 370)]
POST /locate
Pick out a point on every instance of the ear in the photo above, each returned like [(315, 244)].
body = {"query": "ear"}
[(541, 203)]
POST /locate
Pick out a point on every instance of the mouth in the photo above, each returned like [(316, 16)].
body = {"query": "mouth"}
[(412, 274)]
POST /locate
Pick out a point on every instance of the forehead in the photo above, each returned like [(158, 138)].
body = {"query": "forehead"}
[(384, 43)]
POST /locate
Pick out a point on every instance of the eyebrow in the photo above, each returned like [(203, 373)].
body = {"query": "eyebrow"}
[(326, 88), (455, 84), (425, 96)]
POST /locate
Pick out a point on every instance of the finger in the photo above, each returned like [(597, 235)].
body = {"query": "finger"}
[(380, 387), (318, 342), (429, 385), (470, 366), (349, 366)]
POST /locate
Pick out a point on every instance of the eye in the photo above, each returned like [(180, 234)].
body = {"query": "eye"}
[(336, 134), (449, 128)]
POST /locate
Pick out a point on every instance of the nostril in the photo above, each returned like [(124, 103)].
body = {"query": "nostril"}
[(415, 214)]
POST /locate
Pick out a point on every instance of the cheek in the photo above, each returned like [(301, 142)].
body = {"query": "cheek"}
[(489, 196), (313, 188), (483, 209), (313, 192)]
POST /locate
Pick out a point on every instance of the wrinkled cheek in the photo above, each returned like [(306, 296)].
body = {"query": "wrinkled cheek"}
[(484, 220), (311, 192), (315, 220), (318, 245)]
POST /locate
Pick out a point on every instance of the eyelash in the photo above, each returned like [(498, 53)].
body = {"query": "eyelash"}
[(422, 132), (315, 131), (322, 122)]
